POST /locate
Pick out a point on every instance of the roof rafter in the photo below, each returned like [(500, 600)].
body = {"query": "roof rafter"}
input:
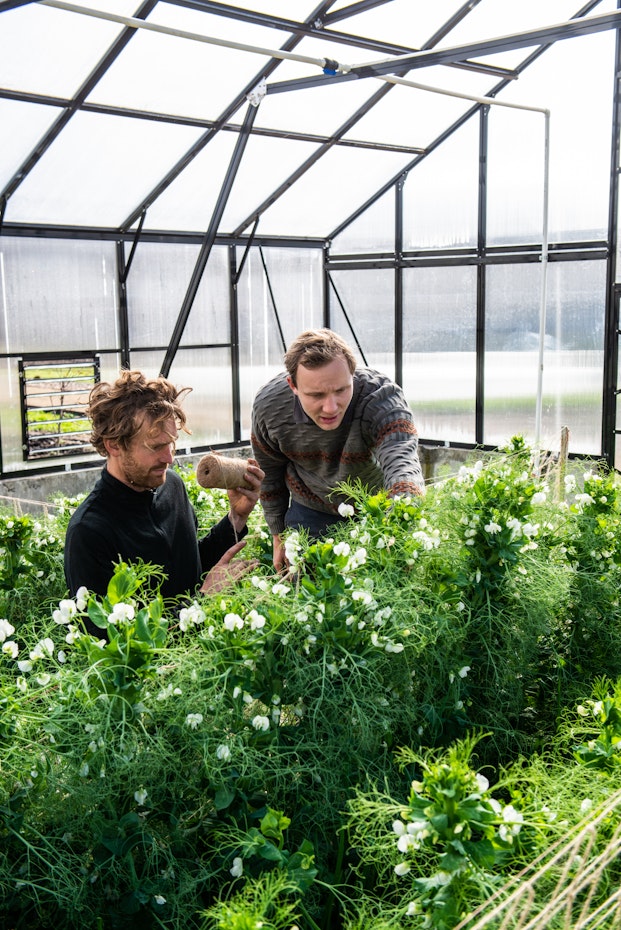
[(444, 56)]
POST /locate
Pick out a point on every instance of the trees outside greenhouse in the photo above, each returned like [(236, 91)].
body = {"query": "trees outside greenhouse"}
[(184, 186)]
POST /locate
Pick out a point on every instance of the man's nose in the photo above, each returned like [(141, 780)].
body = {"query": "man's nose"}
[(329, 404), (169, 454)]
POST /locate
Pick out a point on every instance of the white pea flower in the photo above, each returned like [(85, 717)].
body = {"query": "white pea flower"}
[(342, 548), (191, 616), (194, 720), (513, 821), (81, 598), (402, 868), (257, 620), (346, 510), (10, 648), (44, 679), (121, 612), (233, 622), (84, 769), (280, 589), (358, 558), (398, 827), (25, 666), (463, 672), (261, 722), (238, 867), (6, 629), (44, 649), (260, 583), (482, 782), (159, 899), (223, 752), (492, 528), (140, 796)]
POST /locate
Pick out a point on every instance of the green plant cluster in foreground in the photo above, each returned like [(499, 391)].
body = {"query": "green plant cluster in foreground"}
[(427, 702)]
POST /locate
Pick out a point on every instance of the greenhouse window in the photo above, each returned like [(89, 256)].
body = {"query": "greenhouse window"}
[(54, 398)]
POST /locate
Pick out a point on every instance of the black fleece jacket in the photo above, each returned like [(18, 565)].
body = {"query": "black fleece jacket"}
[(115, 523)]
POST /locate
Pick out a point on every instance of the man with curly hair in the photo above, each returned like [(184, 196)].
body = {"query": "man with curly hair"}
[(139, 509)]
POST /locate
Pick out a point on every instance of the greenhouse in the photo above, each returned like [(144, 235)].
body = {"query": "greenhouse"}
[(414, 720)]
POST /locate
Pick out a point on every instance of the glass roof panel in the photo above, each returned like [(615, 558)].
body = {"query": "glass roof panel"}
[(266, 165), (330, 191), (580, 104), (320, 110), (97, 169), (22, 124), (188, 203), (408, 117), (174, 74), (49, 51), (401, 21)]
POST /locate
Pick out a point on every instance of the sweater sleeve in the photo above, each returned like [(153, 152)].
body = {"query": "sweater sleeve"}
[(390, 423), (274, 494)]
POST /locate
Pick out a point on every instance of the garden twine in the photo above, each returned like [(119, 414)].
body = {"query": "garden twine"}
[(218, 471)]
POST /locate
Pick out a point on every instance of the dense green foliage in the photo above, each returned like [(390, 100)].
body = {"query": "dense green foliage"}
[(427, 701)]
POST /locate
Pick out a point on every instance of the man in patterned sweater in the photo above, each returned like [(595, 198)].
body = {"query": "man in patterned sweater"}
[(324, 420)]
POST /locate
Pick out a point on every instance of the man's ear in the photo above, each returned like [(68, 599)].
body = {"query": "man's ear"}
[(113, 447), (291, 384)]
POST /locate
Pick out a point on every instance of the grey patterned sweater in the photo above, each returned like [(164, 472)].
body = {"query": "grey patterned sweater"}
[(377, 442)]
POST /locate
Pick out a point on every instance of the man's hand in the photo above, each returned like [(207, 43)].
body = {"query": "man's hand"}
[(278, 555), (243, 500), (225, 572)]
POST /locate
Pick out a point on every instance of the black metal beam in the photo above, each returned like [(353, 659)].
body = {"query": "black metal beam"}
[(208, 242), (112, 234), (480, 332), (398, 299), (460, 53), (149, 116), (613, 295), (12, 4)]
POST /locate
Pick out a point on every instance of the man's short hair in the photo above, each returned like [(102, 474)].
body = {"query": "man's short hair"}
[(315, 348), (118, 409)]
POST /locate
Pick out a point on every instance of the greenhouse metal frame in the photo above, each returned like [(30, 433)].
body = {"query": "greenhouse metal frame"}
[(203, 266)]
